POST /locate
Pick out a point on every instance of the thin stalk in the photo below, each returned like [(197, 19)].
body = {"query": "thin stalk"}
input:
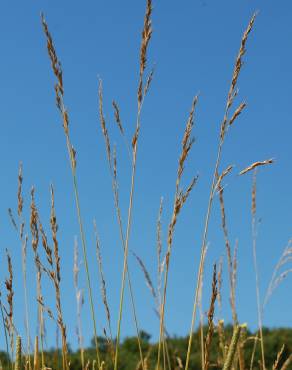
[(203, 251), (112, 164), (225, 125), (84, 249), (4, 328), (127, 245), (146, 36), (59, 90), (254, 240)]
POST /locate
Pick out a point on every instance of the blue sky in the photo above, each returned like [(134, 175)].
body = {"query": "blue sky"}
[(194, 47)]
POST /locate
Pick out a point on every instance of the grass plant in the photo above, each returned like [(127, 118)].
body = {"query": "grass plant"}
[(219, 347)]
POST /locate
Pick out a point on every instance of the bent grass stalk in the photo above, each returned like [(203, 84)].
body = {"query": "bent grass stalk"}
[(179, 200), (146, 36), (254, 239), (59, 90), (253, 167), (226, 123), (112, 163)]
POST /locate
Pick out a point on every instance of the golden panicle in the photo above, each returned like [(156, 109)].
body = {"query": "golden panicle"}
[(45, 244), (187, 141), (238, 63), (180, 200), (221, 177), (146, 36), (256, 164), (233, 91), (57, 69)]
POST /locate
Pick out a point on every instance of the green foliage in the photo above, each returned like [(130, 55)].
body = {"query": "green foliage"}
[(129, 352)]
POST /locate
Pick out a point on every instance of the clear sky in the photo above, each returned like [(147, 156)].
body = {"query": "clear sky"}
[(194, 46)]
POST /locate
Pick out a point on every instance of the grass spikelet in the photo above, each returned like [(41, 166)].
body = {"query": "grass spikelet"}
[(255, 165), (278, 359), (146, 36), (211, 311), (237, 113), (9, 311), (18, 354), (187, 141), (232, 348), (117, 117), (36, 364), (19, 191)]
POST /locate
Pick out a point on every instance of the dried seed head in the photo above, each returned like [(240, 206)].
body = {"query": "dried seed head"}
[(256, 164), (19, 191), (146, 36), (117, 117)]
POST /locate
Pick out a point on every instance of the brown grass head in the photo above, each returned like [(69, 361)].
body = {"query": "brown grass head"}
[(103, 123), (34, 222), (54, 228), (255, 165), (146, 36), (211, 311), (117, 117), (19, 191)]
